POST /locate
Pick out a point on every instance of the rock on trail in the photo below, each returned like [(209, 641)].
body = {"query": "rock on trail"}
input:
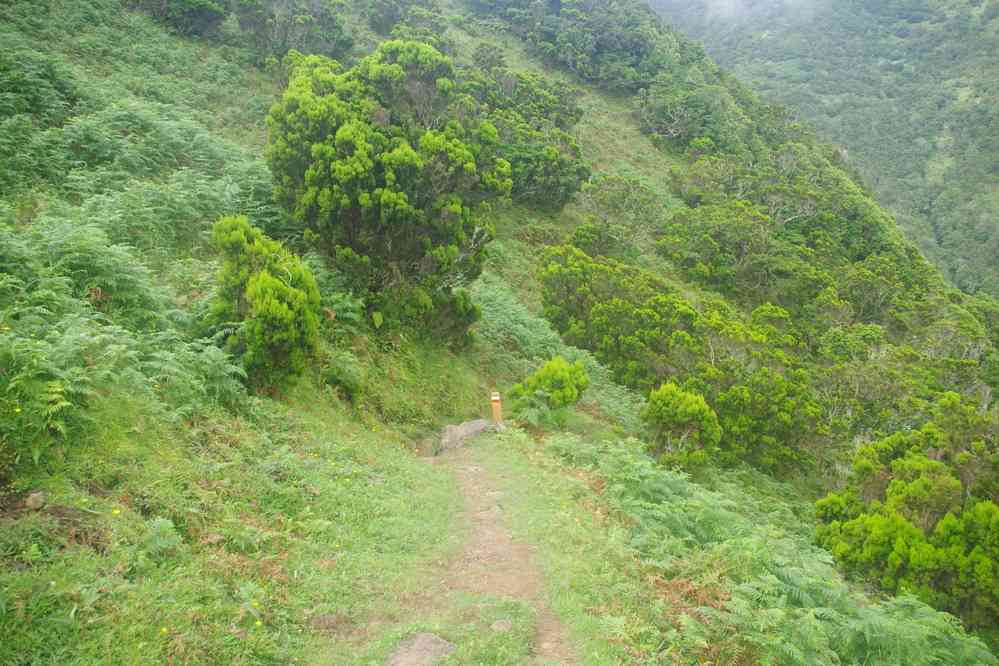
[(420, 650)]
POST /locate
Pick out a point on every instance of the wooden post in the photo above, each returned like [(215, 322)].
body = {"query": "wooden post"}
[(497, 409)]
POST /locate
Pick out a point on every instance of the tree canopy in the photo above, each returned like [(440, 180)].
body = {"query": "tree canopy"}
[(375, 162)]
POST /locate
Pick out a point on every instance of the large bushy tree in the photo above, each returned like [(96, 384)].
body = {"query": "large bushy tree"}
[(388, 176)]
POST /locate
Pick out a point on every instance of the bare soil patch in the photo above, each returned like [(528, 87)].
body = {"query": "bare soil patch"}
[(492, 562)]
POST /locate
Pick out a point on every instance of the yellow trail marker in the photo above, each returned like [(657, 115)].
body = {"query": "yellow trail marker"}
[(497, 408)]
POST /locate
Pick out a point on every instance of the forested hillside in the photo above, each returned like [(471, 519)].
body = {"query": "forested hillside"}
[(254, 255), (908, 87)]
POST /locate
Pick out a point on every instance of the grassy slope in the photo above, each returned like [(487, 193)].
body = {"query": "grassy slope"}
[(305, 507), (292, 509)]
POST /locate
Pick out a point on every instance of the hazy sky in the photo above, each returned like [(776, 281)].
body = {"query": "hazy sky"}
[(737, 9)]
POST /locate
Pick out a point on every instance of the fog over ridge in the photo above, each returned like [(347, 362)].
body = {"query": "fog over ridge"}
[(736, 10)]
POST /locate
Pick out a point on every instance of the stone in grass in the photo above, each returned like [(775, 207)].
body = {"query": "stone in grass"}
[(501, 626), (35, 501), (420, 650), (455, 436)]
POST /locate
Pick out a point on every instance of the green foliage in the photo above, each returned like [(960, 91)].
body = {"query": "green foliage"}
[(825, 330), (36, 86), (647, 335), (43, 402), (363, 158), (189, 17), (341, 369), (685, 428), (706, 118), (918, 514), (269, 28), (534, 118), (903, 86), (729, 247), (765, 593), (275, 27), (514, 340), (63, 345), (603, 240), (384, 15), (544, 396), (271, 297), (619, 44), (162, 539)]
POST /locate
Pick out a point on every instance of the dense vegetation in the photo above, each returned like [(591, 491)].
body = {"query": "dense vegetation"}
[(908, 87), (218, 323), (842, 332)]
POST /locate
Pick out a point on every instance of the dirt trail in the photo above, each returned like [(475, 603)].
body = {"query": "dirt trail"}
[(490, 563), (493, 563)]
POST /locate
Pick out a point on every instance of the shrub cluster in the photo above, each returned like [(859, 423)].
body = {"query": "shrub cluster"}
[(546, 395), (773, 595), (79, 316), (388, 182), (919, 512), (271, 27), (685, 428), (273, 300)]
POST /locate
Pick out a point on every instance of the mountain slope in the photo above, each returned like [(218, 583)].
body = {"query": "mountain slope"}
[(184, 517), (907, 87)]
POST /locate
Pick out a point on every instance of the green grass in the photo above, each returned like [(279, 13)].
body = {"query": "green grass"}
[(199, 535), (467, 625), (419, 386), (297, 512)]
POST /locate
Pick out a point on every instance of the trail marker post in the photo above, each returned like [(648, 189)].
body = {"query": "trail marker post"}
[(497, 409)]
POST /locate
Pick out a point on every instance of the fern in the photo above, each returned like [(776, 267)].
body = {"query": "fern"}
[(786, 602)]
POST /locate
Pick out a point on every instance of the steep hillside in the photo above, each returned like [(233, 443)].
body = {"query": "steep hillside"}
[(908, 87), (242, 289)]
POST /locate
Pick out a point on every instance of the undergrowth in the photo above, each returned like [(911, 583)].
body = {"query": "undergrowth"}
[(649, 567)]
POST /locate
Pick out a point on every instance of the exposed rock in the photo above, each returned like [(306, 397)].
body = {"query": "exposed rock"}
[(420, 650), (501, 626), (455, 436), (35, 501)]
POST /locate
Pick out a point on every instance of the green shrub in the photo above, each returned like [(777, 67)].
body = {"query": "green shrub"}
[(36, 86), (545, 396), (343, 371), (272, 296), (603, 240), (41, 403), (685, 427)]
